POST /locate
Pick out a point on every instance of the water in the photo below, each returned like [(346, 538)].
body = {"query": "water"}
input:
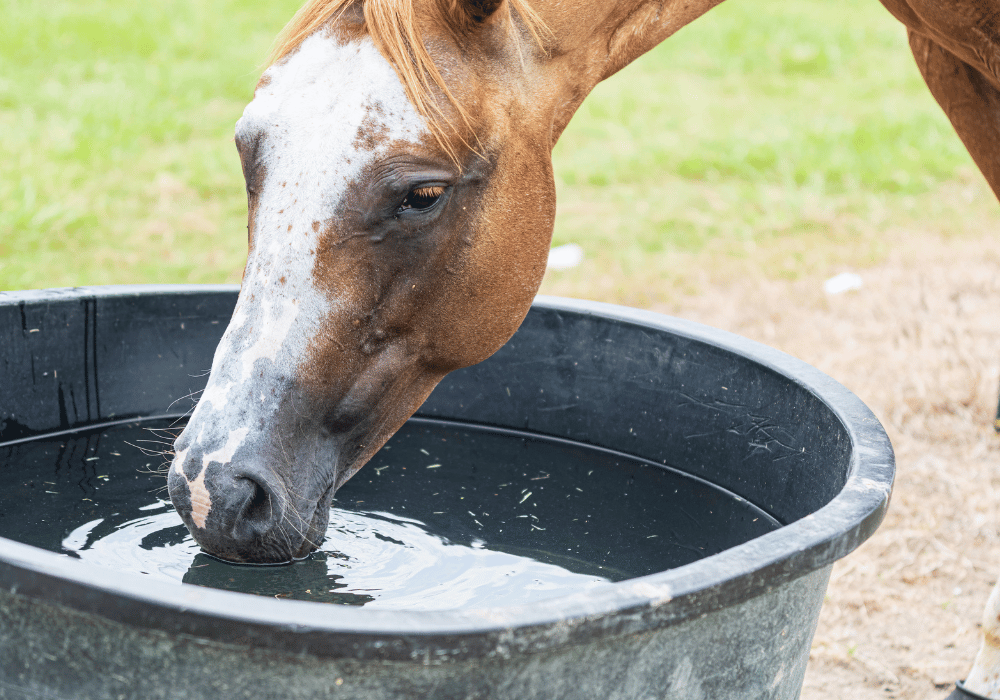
[(444, 516)]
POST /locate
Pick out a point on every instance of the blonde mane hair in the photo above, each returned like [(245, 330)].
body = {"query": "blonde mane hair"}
[(392, 27)]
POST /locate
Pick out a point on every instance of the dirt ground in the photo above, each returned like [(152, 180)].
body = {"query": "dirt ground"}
[(920, 344)]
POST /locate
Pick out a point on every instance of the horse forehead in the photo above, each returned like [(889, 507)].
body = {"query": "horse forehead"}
[(326, 94)]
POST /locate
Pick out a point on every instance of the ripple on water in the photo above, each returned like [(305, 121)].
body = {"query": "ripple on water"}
[(379, 560)]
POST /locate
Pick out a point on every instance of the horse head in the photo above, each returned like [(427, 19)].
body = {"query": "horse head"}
[(397, 158)]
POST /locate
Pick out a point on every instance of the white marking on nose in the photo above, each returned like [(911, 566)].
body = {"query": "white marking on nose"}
[(272, 335), (179, 462), (216, 395), (238, 319), (225, 453), (201, 500)]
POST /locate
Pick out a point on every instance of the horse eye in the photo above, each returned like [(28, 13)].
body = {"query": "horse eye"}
[(421, 199)]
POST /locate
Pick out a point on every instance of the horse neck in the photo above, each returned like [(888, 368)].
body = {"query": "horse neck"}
[(594, 39)]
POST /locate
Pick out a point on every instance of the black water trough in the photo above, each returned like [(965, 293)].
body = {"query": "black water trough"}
[(732, 618)]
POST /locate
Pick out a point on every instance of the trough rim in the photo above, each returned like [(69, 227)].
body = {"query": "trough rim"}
[(434, 637)]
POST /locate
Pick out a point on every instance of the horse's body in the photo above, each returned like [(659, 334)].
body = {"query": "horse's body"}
[(398, 164)]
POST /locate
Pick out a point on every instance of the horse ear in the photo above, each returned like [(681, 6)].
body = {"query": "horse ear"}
[(467, 15)]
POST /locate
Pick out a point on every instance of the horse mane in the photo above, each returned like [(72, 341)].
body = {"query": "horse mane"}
[(392, 27)]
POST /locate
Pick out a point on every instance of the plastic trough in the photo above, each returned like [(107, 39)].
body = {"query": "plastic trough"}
[(737, 624)]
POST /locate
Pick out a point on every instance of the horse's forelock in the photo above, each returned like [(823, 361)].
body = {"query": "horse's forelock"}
[(392, 26)]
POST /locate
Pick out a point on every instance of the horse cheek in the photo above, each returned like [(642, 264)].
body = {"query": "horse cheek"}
[(489, 296)]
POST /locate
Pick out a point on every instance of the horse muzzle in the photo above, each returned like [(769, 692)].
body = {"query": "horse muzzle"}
[(243, 513)]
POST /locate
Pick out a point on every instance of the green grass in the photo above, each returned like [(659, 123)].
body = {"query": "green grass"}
[(116, 124), (799, 135)]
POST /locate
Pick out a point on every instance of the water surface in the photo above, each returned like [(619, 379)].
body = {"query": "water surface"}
[(445, 516)]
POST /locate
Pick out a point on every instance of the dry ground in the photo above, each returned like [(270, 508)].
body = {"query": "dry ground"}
[(920, 344)]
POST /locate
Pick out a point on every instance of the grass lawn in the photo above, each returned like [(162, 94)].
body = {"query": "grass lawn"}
[(774, 139), (116, 124)]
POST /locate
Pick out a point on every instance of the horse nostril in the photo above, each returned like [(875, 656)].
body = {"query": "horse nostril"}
[(258, 508), (254, 510)]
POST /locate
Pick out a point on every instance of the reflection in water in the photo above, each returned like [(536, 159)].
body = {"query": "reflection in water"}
[(381, 560)]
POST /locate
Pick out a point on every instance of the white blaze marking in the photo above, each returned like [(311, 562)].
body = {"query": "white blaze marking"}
[(304, 122)]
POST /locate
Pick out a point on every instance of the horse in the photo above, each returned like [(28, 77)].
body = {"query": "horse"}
[(397, 158)]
